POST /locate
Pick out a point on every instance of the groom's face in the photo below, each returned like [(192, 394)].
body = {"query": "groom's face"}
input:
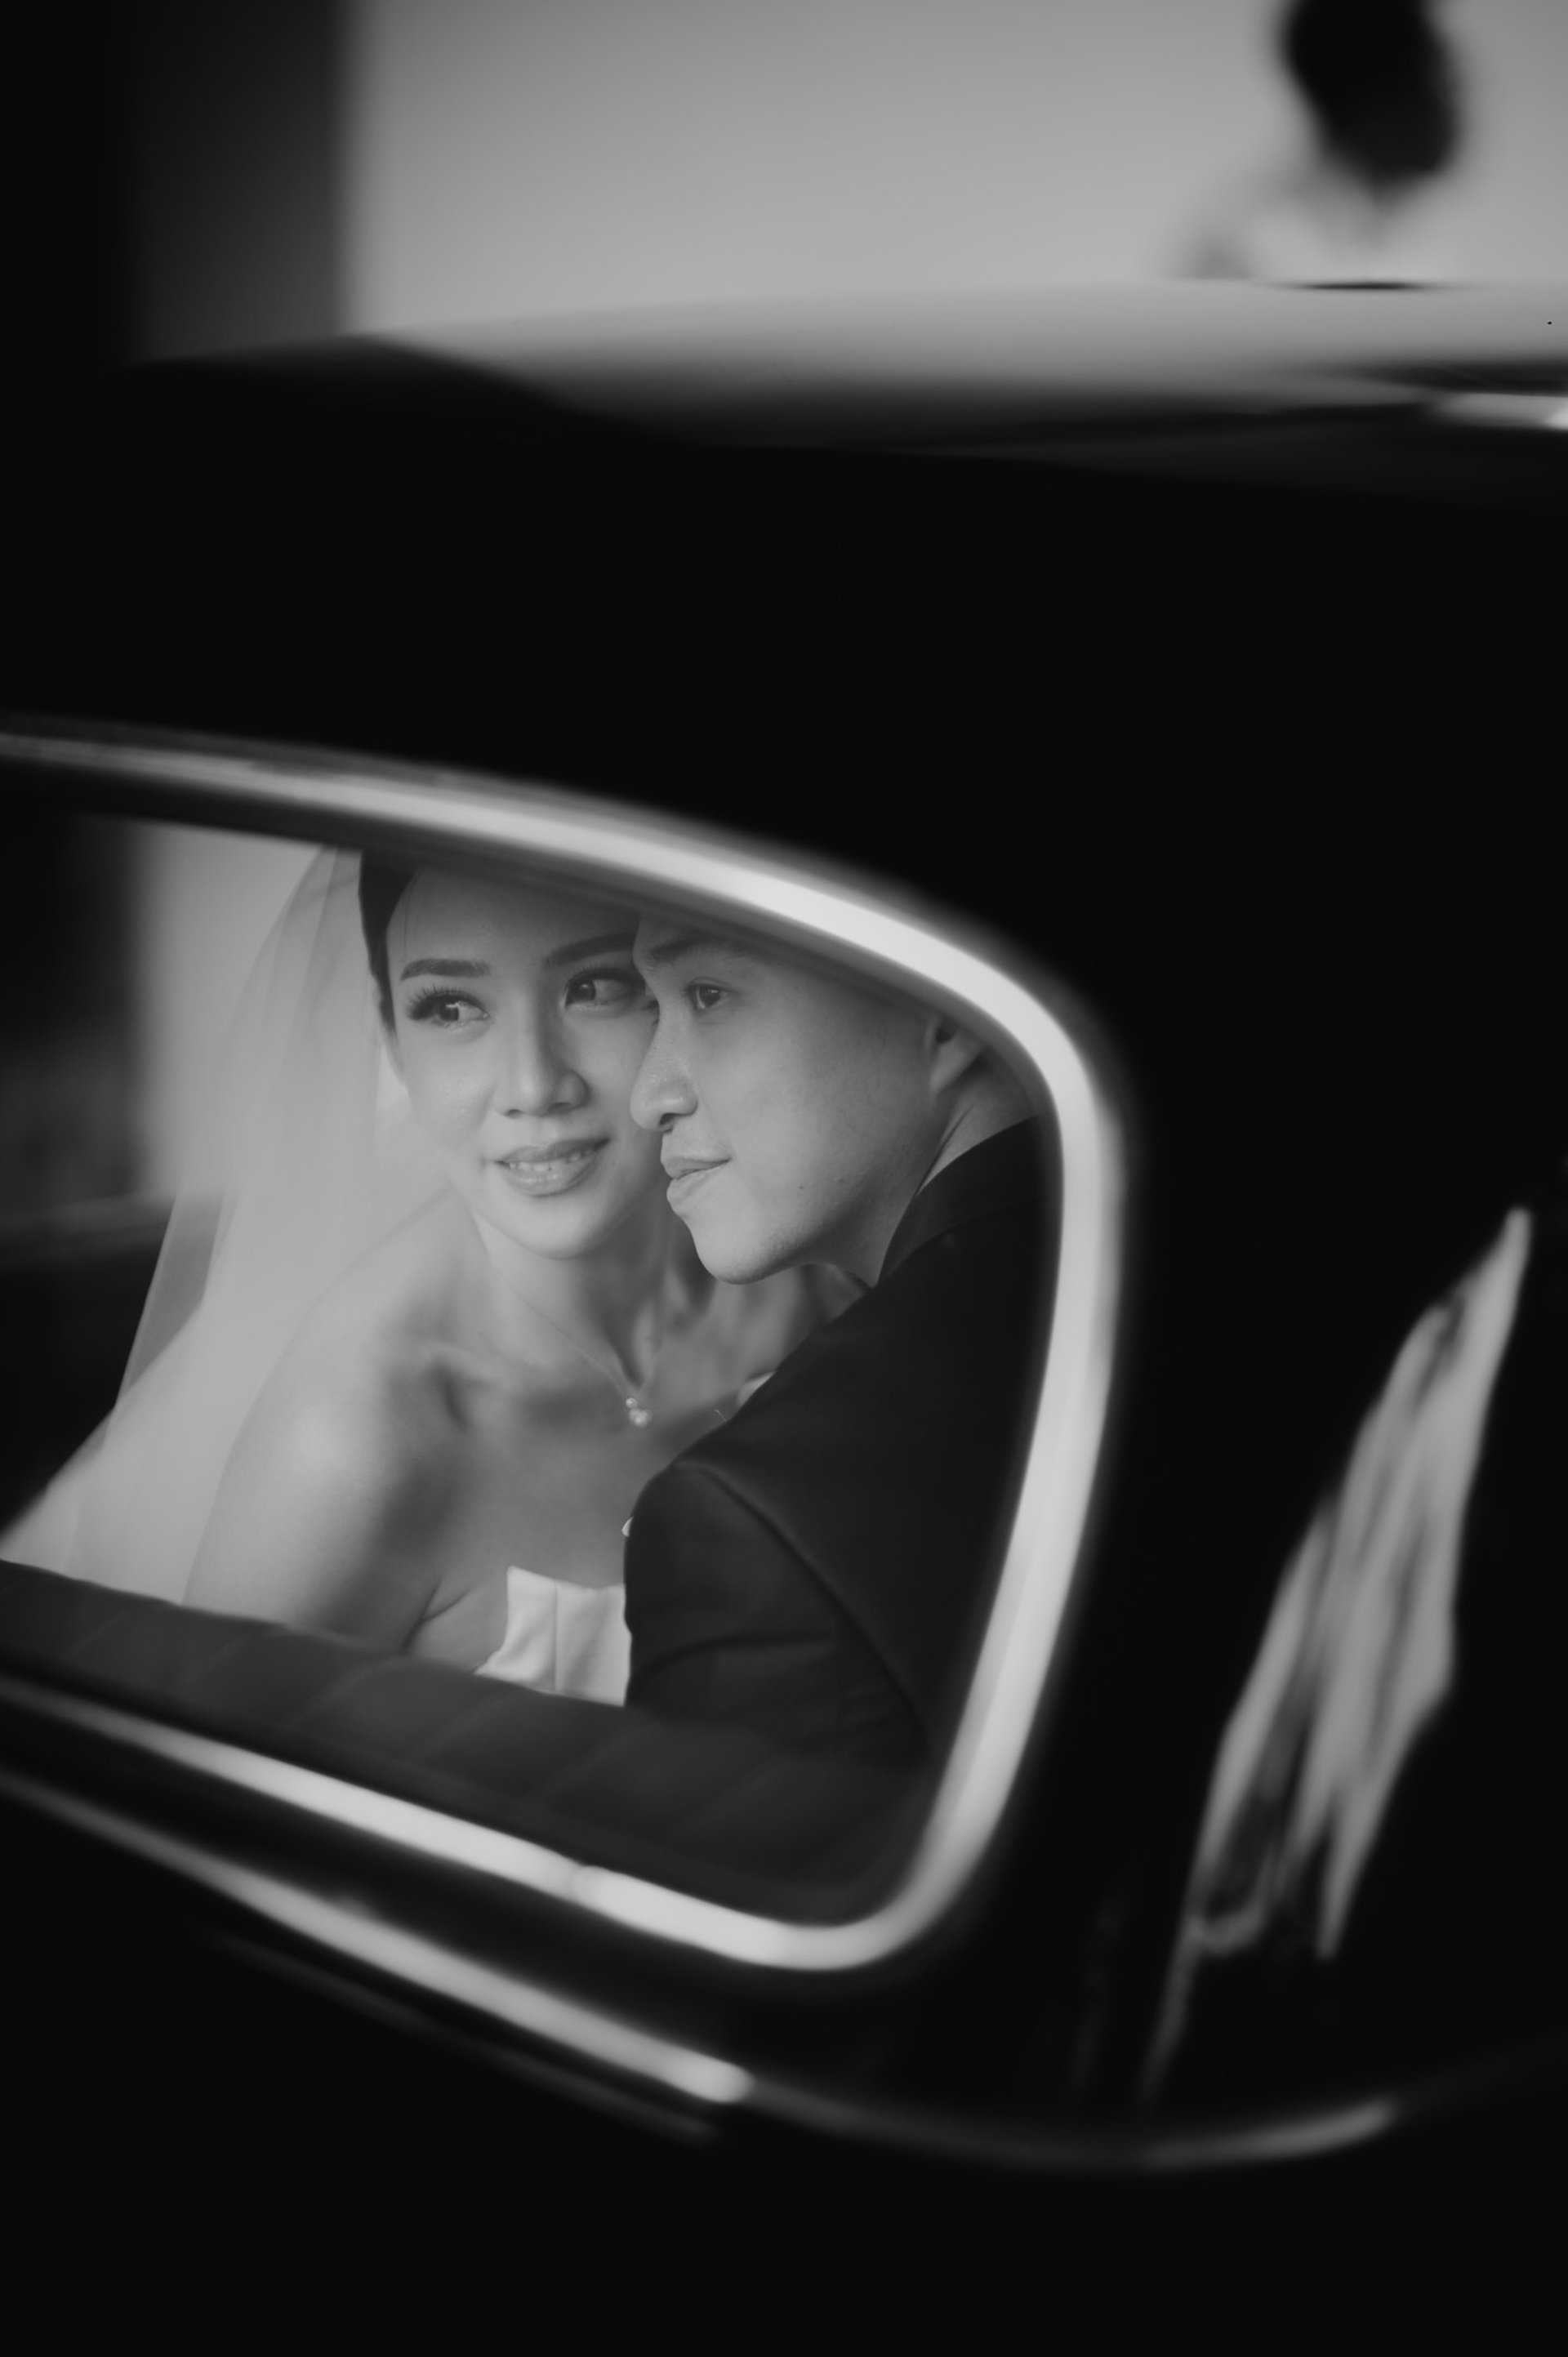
[(796, 1110)]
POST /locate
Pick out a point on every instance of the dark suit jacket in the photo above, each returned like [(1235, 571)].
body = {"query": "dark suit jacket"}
[(816, 1569)]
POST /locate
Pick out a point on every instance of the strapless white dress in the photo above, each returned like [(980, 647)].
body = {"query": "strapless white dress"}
[(562, 1639)]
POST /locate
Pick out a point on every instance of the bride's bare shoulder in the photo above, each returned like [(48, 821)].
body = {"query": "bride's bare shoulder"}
[(365, 1371)]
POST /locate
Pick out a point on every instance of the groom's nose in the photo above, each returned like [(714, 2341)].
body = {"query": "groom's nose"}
[(662, 1091)]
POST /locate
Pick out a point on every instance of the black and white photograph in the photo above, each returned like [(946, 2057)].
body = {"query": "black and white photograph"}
[(784, 1162)]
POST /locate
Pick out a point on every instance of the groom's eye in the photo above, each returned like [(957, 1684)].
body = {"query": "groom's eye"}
[(705, 997)]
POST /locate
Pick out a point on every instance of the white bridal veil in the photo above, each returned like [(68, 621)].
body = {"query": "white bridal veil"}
[(307, 1156)]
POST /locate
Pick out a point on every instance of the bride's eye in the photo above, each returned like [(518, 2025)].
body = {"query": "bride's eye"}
[(705, 997), (605, 986), (445, 1010)]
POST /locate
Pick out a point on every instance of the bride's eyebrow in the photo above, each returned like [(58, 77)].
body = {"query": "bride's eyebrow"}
[(449, 969), (455, 969)]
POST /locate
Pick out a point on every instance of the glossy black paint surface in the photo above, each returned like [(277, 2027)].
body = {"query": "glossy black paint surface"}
[(1260, 767)]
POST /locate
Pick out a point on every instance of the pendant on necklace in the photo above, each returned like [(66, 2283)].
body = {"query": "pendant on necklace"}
[(637, 1413)]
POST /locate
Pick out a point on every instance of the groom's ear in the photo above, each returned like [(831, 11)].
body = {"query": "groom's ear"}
[(951, 1053)]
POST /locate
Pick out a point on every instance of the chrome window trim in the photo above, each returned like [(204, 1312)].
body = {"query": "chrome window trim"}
[(695, 2081), (321, 796), (701, 2083), (608, 2041)]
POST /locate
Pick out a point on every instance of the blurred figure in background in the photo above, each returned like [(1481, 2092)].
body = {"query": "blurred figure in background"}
[(1382, 90)]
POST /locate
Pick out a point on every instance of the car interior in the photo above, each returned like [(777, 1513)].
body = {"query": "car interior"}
[(623, 1811)]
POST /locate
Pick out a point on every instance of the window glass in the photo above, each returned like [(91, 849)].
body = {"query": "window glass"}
[(593, 1297)]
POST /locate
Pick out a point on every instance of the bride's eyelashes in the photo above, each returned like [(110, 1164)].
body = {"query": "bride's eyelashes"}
[(445, 1010), (597, 990), (606, 987)]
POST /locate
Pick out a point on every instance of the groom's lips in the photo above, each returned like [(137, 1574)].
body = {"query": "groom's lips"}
[(686, 1173)]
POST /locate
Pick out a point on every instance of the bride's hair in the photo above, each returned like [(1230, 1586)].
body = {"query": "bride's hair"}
[(382, 883)]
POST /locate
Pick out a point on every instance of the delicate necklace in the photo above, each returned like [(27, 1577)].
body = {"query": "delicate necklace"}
[(636, 1412)]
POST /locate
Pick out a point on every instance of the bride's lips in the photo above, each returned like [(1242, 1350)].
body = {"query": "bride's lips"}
[(551, 1170), (686, 1173)]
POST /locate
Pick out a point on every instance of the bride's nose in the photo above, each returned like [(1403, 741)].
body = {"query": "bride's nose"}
[(536, 1075)]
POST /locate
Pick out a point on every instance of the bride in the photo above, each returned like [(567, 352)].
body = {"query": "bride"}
[(447, 1327)]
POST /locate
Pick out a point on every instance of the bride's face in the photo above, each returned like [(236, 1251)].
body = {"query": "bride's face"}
[(518, 1023)]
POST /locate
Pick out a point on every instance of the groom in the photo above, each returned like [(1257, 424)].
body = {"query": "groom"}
[(817, 1570)]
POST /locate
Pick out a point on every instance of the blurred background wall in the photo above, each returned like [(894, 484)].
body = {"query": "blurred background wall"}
[(185, 176), (179, 177), (235, 204), (560, 153)]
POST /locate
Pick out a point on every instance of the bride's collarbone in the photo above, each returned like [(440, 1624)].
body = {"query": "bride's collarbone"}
[(483, 1394)]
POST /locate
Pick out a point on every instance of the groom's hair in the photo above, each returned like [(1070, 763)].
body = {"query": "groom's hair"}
[(382, 883)]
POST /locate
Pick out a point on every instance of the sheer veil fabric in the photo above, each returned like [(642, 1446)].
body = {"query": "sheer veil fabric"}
[(307, 1157)]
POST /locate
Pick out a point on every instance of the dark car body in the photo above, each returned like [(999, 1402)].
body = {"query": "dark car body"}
[(1198, 650)]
